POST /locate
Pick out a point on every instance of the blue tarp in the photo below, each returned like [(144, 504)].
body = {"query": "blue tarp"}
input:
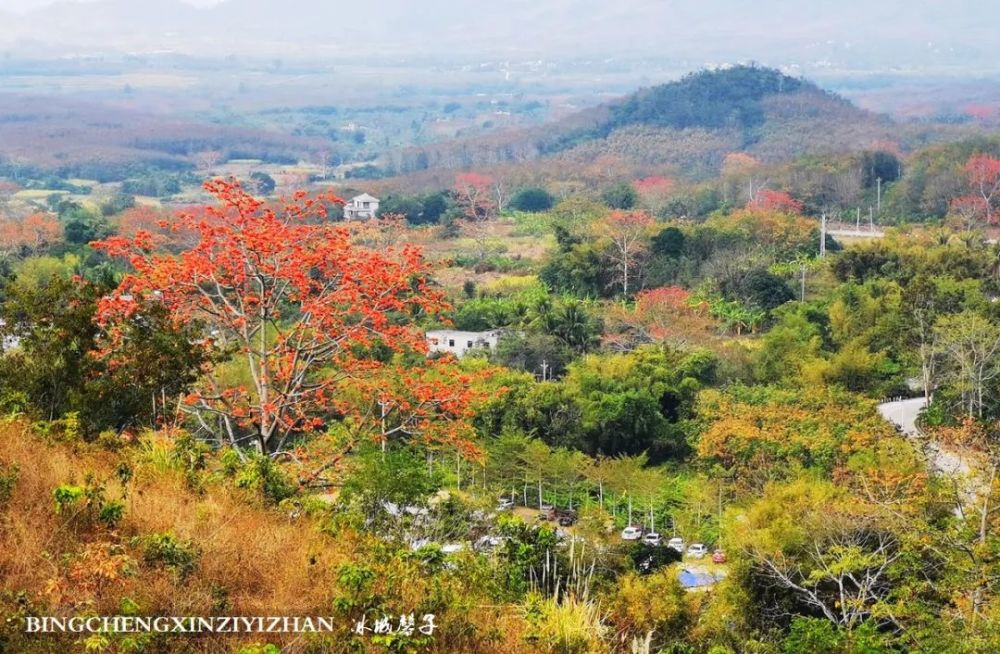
[(690, 579)]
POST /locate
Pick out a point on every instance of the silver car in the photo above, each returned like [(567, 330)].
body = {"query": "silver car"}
[(697, 551)]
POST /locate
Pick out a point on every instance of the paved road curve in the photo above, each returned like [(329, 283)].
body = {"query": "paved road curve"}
[(903, 414)]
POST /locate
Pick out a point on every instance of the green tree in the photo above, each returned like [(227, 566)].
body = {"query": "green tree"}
[(55, 365), (970, 349), (621, 196), (532, 199)]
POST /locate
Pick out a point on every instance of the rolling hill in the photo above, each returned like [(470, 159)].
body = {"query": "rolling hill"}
[(689, 125)]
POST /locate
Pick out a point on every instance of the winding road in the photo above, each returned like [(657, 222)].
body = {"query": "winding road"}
[(903, 414)]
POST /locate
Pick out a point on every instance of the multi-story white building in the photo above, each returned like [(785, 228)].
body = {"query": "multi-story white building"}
[(361, 207), (458, 342)]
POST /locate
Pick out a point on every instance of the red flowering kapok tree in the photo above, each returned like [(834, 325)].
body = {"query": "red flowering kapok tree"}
[(654, 191), (289, 303), (983, 172), (32, 234), (777, 201)]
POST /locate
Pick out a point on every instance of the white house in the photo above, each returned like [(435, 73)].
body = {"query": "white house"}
[(458, 343), (361, 207)]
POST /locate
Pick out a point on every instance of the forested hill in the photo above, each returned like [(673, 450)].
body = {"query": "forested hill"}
[(732, 97), (690, 123)]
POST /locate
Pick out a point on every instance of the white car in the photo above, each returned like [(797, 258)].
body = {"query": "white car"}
[(505, 504), (676, 544), (697, 551), (632, 533), (653, 539)]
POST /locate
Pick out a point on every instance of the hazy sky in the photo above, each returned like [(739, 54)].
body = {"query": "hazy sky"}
[(908, 35), (20, 6)]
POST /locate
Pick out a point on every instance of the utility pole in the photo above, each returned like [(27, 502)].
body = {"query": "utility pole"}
[(871, 220), (545, 367), (803, 282), (858, 227), (822, 236), (720, 514), (878, 195)]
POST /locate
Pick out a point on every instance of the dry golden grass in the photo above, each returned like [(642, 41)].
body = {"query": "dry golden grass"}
[(263, 558), (252, 559)]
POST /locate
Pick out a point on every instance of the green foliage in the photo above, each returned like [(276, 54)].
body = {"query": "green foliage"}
[(56, 368), (813, 635), (669, 242), (117, 203), (417, 209), (259, 649), (621, 196), (757, 289), (397, 475), (111, 513), (724, 98), (637, 402), (580, 270), (156, 185), (933, 177), (262, 183), (262, 475), (653, 606), (526, 552), (532, 199), (539, 354), (66, 495), (166, 550)]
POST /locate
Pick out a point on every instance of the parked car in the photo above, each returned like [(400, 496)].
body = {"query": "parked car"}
[(652, 539), (676, 544), (505, 504), (566, 518), (697, 550), (718, 556), (632, 533), (546, 507)]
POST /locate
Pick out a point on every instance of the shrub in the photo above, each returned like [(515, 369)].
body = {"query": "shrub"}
[(167, 551), (66, 495), (655, 604), (111, 513), (532, 200), (263, 475)]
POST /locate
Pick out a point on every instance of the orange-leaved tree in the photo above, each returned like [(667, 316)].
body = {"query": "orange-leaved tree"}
[(289, 303), (779, 201), (31, 235)]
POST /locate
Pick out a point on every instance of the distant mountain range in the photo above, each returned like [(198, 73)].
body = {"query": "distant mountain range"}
[(848, 32)]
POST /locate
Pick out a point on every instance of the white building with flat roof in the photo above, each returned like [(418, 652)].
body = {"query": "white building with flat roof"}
[(361, 207), (458, 342)]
